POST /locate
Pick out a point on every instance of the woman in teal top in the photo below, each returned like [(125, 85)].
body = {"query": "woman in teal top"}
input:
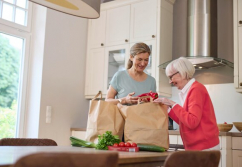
[(126, 85)]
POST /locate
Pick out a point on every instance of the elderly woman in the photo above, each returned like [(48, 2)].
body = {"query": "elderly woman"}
[(195, 115), (133, 81)]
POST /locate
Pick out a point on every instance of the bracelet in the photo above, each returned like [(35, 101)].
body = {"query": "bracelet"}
[(120, 101)]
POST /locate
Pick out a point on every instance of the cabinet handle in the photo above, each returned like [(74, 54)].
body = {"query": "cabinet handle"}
[(102, 44), (240, 22), (153, 36), (126, 40), (240, 84)]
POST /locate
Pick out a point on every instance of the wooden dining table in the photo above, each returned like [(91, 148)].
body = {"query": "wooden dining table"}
[(10, 154)]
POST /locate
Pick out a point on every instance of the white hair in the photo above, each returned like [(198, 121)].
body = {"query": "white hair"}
[(181, 65)]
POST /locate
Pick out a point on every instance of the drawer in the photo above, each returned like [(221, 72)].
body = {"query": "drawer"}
[(173, 139), (79, 134), (220, 142), (179, 140), (237, 143)]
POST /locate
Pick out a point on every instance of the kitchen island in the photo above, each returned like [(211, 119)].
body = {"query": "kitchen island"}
[(10, 154)]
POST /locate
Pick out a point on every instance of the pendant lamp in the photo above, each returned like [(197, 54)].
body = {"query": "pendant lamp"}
[(81, 8)]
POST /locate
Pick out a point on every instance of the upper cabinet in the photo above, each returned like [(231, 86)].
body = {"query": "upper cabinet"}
[(237, 8), (143, 21), (95, 72), (97, 31), (118, 20), (122, 24)]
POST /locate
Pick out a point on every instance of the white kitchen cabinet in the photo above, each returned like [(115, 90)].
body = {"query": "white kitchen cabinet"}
[(97, 31), (79, 133), (237, 8), (95, 72), (116, 59), (237, 158), (143, 21), (118, 20), (173, 139), (128, 22), (237, 151)]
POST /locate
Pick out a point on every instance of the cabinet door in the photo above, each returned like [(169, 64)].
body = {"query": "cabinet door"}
[(237, 158), (78, 134), (240, 13), (97, 31), (118, 25), (240, 58), (95, 68), (143, 21), (116, 60)]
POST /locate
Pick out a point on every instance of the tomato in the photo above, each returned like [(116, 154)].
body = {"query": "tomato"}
[(134, 145), (225, 122), (115, 144), (121, 144), (127, 144)]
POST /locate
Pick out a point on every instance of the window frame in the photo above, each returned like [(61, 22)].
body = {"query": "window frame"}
[(26, 28), (23, 75)]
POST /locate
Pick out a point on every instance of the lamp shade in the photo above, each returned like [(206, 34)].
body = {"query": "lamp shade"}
[(81, 8)]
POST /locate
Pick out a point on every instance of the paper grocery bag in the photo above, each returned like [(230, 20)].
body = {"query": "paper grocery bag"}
[(103, 116), (146, 123)]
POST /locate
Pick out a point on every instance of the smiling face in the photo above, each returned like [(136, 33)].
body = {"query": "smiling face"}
[(140, 61), (176, 79), (179, 72)]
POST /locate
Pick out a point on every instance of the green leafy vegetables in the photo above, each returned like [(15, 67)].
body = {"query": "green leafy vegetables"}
[(105, 140)]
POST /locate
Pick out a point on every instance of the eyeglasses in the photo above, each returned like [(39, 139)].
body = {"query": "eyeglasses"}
[(170, 77)]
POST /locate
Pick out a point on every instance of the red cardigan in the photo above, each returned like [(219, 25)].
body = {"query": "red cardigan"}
[(196, 119)]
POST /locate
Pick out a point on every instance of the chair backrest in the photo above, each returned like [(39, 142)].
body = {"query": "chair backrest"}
[(101, 159), (27, 142), (193, 159)]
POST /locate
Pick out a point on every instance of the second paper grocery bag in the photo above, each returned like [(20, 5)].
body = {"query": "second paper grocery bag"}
[(146, 123)]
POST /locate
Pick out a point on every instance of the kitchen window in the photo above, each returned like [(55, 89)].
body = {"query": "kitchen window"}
[(14, 52), (16, 13)]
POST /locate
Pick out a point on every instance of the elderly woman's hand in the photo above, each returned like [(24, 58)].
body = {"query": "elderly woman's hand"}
[(165, 101), (130, 99)]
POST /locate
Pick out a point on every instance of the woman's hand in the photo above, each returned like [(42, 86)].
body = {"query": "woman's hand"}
[(165, 101), (129, 99)]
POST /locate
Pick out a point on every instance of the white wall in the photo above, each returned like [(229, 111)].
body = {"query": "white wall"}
[(62, 78), (226, 101), (31, 121)]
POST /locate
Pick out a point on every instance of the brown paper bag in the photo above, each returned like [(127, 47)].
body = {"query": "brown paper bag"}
[(146, 123), (103, 116)]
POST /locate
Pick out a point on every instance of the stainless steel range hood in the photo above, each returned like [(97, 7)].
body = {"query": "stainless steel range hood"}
[(202, 35)]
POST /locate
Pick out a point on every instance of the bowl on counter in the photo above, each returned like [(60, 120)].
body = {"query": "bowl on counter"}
[(238, 125), (225, 127)]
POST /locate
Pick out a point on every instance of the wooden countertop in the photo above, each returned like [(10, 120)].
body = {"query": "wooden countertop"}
[(10, 154), (176, 132)]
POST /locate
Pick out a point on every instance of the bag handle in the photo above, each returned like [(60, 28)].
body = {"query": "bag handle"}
[(145, 97), (99, 93)]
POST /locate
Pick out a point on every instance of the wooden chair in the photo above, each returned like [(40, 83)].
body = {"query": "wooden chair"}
[(27, 142), (103, 159), (193, 159)]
